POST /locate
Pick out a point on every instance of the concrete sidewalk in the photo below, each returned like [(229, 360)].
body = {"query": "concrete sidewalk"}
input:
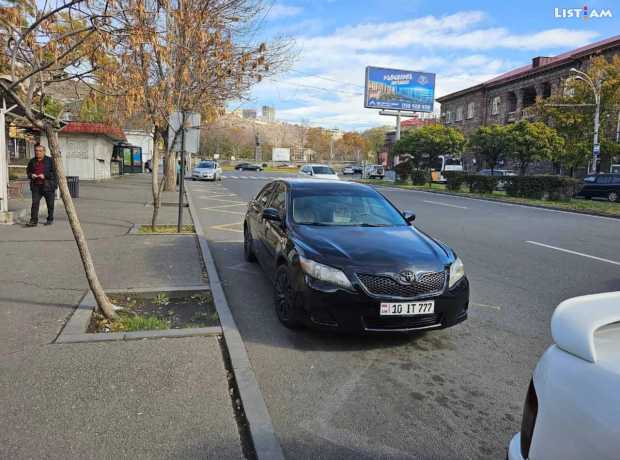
[(165, 398)]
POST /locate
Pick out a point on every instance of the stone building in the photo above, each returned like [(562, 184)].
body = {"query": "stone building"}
[(509, 96)]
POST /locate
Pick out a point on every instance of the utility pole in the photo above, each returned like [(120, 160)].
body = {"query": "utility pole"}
[(398, 125), (182, 173)]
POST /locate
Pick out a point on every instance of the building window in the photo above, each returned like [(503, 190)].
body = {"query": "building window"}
[(448, 117), (471, 110), (459, 113), (495, 105)]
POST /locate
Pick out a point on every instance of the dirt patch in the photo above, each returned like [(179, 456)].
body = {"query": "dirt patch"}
[(147, 229), (153, 311)]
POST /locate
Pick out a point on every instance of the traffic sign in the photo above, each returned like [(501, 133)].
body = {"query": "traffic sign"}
[(596, 150)]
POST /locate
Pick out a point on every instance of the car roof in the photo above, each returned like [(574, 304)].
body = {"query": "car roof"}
[(317, 164), (328, 185)]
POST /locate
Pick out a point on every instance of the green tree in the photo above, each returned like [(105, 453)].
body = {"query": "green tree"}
[(492, 143), (533, 142), (375, 140), (424, 145), (571, 113)]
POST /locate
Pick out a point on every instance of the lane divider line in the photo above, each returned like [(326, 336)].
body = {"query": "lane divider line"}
[(444, 204), (568, 251)]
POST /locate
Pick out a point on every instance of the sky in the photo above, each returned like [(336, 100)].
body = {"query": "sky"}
[(463, 42)]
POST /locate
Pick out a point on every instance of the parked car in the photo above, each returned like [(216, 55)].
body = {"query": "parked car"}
[(348, 170), (318, 171), (357, 169), (572, 405), (601, 186), (375, 171), (501, 184), (342, 257), (207, 170), (248, 167)]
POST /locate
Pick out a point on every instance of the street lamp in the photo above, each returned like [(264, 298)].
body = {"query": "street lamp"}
[(596, 89)]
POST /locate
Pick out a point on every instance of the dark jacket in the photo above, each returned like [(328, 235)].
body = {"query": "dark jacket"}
[(51, 180)]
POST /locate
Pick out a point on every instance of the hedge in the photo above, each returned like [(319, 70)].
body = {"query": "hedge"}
[(454, 180), (403, 171), (419, 177), (557, 188), (481, 184)]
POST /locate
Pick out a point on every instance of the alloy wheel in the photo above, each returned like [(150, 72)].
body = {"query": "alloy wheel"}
[(613, 196)]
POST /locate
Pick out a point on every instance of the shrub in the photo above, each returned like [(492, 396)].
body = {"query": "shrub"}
[(403, 170), (481, 184), (454, 180), (556, 188), (419, 177)]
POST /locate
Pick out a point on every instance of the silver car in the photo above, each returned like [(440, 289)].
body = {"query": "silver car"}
[(207, 170)]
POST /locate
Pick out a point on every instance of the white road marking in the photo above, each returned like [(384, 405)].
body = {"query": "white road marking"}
[(574, 252), (444, 204), (483, 305), (225, 227)]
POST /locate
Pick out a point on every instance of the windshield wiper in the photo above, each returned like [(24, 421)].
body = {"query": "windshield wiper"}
[(316, 224), (372, 225)]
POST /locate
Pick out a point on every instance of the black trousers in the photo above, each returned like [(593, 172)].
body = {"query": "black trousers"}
[(38, 192)]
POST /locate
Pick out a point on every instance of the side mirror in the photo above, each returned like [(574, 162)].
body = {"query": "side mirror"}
[(409, 216), (272, 214)]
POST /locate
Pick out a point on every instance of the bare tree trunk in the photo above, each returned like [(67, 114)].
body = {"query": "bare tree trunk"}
[(155, 185), (104, 304), (170, 173)]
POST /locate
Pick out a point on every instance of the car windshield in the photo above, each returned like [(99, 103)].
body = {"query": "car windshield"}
[(206, 164), (589, 179), (342, 209), (322, 170)]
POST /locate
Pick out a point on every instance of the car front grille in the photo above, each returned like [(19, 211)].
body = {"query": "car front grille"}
[(401, 322), (381, 285)]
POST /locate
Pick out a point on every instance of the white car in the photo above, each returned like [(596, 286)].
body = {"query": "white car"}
[(317, 171), (207, 170), (572, 407)]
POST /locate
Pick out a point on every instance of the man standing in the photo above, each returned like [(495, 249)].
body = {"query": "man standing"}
[(43, 183)]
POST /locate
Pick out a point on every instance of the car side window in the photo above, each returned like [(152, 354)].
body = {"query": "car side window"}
[(263, 196), (279, 199)]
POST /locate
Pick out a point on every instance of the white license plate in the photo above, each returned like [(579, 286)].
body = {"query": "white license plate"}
[(407, 308)]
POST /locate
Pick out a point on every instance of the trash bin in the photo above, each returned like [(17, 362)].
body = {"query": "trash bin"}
[(74, 186)]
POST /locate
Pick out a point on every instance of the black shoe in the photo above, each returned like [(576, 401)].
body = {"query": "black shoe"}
[(49, 222), (31, 224)]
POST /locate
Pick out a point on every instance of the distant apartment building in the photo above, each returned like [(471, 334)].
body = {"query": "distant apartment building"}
[(249, 114), (510, 96), (269, 113)]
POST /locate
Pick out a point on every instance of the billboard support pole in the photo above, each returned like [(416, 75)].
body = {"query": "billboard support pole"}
[(398, 125)]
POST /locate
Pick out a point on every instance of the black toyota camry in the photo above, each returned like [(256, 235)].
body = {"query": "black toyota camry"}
[(341, 256)]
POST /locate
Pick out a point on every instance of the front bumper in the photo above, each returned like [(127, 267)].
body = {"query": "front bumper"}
[(330, 308), (203, 176)]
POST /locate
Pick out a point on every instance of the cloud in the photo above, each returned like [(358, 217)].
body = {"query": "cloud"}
[(280, 10), (326, 83)]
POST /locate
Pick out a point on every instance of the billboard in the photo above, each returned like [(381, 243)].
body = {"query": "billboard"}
[(281, 154), (399, 89)]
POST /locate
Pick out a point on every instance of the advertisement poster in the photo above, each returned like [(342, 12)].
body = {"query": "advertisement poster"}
[(399, 89)]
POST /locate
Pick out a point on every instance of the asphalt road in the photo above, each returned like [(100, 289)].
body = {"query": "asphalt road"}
[(450, 394)]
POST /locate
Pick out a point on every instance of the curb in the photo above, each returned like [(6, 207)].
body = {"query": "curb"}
[(75, 329), (266, 443), (135, 230), (493, 200)]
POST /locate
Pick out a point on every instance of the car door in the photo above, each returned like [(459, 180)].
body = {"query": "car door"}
[(275, 232), (603, 186), (255, 220)]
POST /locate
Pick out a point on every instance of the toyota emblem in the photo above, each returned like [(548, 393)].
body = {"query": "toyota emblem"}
[(407, 277)]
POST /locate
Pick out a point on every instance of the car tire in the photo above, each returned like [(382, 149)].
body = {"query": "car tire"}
[(193, 178), (587, 197), (613, 197), (248, 250), (286, 301)]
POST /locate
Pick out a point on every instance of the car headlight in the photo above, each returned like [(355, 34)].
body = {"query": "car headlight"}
[(325, 273), (457, 271)]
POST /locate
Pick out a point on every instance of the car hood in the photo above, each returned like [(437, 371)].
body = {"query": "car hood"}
[(372, 249), (204, 170)]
